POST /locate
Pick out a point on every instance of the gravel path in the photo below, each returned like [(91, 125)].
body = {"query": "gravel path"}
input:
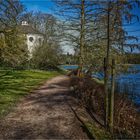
[(44, 114)]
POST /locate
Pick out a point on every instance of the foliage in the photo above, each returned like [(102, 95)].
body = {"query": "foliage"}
[(133, 58), (10, 12), (13, 51), (46, 57), (97, 131)]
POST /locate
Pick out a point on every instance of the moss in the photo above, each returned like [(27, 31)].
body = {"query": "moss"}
[(98, 81), (97, 132)]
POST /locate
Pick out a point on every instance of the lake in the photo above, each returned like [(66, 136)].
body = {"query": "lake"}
[(69, 67), (128, 82)]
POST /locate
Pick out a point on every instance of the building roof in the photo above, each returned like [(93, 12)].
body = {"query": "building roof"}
[(27, 29)]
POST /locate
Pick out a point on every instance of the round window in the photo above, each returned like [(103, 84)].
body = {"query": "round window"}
[(31, 39)]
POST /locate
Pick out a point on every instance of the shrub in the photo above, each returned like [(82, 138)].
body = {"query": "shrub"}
[(91, 95)]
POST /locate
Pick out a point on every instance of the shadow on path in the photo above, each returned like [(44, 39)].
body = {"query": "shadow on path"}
[(44, 114)]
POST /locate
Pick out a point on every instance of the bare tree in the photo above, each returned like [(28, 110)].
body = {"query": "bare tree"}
[(77, 17), (115, 14)]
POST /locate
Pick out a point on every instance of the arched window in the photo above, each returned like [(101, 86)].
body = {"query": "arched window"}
[(31, 39), (40, 40)]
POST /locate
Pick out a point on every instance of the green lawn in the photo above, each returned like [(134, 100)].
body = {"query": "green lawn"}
[(16, 84)]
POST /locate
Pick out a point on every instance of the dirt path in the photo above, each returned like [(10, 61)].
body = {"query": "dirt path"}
[(44, 114)]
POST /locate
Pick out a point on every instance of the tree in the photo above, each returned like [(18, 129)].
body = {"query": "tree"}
[(115, 13), (98, 25), (133, 58), (12, 52), (10, 12), (47, 56), (77, 17)]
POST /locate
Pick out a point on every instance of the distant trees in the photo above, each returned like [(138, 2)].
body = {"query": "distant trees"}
[(68, 59), (132, 58)]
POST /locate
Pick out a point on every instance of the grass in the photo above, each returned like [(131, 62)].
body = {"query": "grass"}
[(98, 81), (17, 84), (93, 129), (97, 132)]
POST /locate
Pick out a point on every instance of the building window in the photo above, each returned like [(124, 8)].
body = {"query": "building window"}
[(40, 40), (31, 39)]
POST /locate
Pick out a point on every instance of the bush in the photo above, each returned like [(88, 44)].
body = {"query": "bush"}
[(91, 95), (45, 57)]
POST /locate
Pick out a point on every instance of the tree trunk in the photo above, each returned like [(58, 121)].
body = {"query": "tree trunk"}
[(82, 36), (106, 77), (112, 96)]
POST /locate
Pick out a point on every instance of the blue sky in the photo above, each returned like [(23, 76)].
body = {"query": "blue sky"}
[(48, 6), (134, 28), (136, 25), (38, 5)]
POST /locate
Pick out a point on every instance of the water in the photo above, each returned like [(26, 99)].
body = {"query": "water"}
[(128, 83), (69, 67)]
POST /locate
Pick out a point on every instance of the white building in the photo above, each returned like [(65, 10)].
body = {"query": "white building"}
[(33, 37)]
